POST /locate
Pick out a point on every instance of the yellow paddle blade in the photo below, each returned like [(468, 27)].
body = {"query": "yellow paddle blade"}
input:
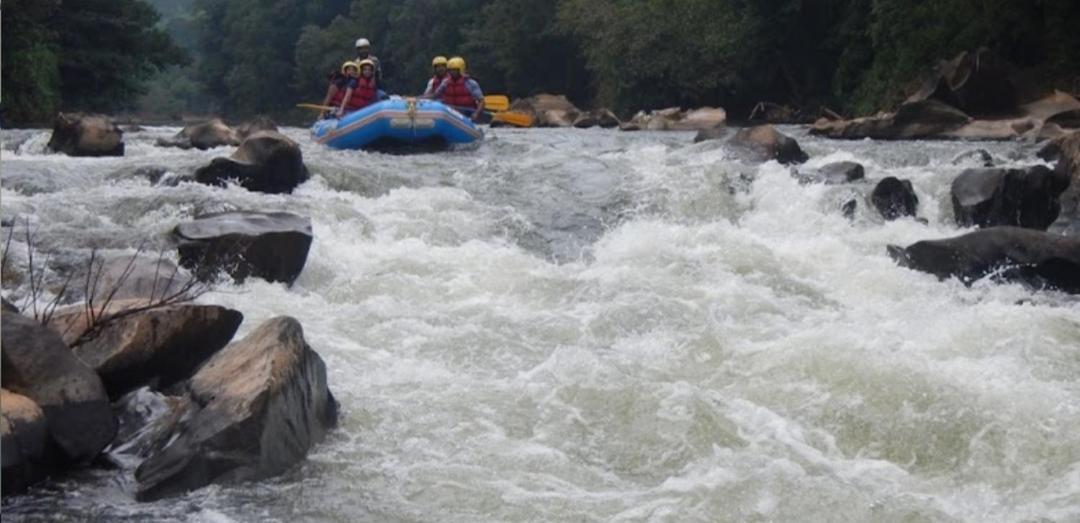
[(496, 102), (315, 107), (515, 119)]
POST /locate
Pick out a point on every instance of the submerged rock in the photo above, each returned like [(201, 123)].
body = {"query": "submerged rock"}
[(836, 173), (1020, 197), (23, 443), (271, 246), (157, 347), (202, 136), (37, 364), (766, 143), (1013, 254), (895, 198), (265, 162), (263, 403), (77, 134), (1066, 151)]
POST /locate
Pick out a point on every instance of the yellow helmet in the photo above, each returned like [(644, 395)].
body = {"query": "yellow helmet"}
[(349, 64), (456, 62), (439, 60), (366, 61)]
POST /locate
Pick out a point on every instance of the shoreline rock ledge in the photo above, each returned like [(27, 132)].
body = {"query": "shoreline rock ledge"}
[(257, 407)]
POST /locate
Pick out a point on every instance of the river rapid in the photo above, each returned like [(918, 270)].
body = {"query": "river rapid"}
[(587, 325)]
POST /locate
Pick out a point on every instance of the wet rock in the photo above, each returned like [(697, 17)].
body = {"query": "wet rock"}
[(979, 157), (895, 198), (914, 120), (257, 124), (271, 246), (8, 306), (1013, 254), (849, 207), (1020, 197), (38, 365), (264, 402), (77, 134), (202, 136), (606, 118), (265, 162), (675, 119), (586, 121), (841, 172), (23, 443), (1066, 152), (766, 143), (157, 347), (978, 83), (146, 419)]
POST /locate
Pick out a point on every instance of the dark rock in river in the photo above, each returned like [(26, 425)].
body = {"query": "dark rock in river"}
[(1066, 151), (23, 443), (265, 162), (125, 276), (914, 120), (766, 143), (1021, 197), (37, 364), (1014, 254), (715, 133), (835, 174), (157, 347), (979, 157), (271, 246), (205, 135), (895, 198), (77, 134), (264, 402)]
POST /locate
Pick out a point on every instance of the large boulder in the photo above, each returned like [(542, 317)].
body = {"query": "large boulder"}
[(894, 198), (23, 443), (157, 346), (254, 125), (204, 135), (1066, 152), (766, 143), (266, 161), (914, 120), (1021, 197), (271, 246), (37, 364), (77, 134), (548, 110), (264, 402), (1028, 256), (835, 173), (978, 83)]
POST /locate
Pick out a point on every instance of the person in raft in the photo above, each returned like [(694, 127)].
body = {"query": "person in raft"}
[(459, 91), (363, 52), (438, 66), (360, 90)]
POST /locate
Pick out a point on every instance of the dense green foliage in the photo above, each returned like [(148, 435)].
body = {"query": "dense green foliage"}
[(31, 75), (264, 56), (86, 55)]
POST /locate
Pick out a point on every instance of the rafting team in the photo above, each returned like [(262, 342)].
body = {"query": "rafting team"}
[(357, 84)]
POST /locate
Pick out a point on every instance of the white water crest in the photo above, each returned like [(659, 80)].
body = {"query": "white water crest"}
[(586, 325)]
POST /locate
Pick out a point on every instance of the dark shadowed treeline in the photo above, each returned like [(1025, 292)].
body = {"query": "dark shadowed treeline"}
[(263, 56)]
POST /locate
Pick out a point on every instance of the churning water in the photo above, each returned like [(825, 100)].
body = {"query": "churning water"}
[(567, 325)]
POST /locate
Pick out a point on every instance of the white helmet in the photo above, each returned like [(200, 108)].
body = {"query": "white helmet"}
[(363, 42)]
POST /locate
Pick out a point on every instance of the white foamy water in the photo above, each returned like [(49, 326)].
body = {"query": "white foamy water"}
[(567, 325)]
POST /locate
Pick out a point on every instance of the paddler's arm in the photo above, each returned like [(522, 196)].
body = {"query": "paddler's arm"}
[(344, 102), (478, 95), (438, 92)]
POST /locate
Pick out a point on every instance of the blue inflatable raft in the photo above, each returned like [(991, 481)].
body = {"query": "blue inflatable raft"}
[(397, 122)]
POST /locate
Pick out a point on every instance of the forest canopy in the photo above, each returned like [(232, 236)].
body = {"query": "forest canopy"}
[(244, 57)]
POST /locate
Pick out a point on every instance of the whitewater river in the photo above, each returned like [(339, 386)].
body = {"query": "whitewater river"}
[(567, 325)]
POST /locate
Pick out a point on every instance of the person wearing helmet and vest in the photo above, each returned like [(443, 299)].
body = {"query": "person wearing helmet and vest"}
[(460, 91), (362, 90), (438, 66), (363, 52), (340, 81)]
